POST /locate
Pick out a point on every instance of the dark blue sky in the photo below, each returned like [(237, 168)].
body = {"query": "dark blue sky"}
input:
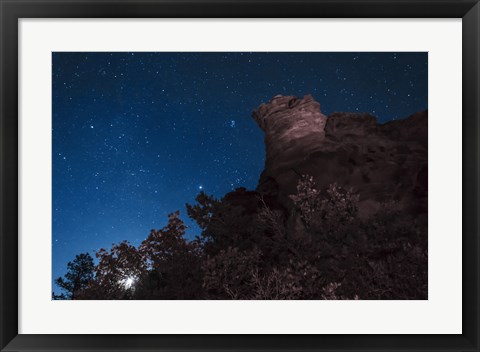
[(137, 135)]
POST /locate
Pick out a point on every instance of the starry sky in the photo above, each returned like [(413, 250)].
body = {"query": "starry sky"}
[(137, 135)]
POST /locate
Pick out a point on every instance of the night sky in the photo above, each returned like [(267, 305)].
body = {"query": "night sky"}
[(138, 135)]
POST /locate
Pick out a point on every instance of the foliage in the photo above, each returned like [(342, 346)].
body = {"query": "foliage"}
[(174, 264), (79, 274), (252, 247), (116, 273)]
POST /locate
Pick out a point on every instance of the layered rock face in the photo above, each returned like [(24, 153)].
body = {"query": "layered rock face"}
[(381, 161), (289, 122)]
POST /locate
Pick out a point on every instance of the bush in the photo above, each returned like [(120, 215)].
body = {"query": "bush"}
[(252, 248)]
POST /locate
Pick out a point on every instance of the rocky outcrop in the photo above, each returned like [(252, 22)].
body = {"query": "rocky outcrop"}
[(289, 122), (381, 161)]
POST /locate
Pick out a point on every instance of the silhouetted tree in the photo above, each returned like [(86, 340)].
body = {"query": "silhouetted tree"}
[(173, 263), (116, 274), (80, 272), (252, 247)]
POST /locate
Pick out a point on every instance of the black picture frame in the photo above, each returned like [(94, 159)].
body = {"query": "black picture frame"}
[(12, 10)]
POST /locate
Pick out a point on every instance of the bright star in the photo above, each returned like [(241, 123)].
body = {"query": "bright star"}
[(200, 187), (232, 123)]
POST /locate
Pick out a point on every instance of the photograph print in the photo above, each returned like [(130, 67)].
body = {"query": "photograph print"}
[(239, 175)]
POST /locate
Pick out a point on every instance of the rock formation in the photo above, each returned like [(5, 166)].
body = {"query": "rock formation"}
[(381, 161)]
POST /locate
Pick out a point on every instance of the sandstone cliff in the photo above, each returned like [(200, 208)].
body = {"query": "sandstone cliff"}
[(381, 161)]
